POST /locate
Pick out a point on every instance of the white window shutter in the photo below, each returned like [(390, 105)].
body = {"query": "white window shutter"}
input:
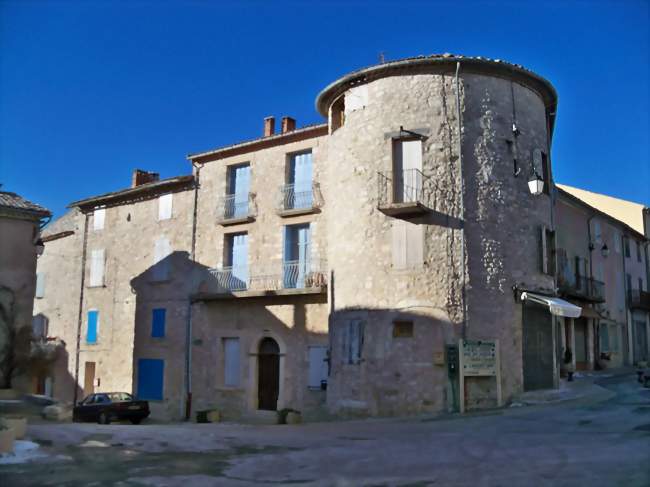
[(99, 216), (165, 207), (162, 249), (317, 366), (40, 285), (232, 359), (399, 244), (97, 268)]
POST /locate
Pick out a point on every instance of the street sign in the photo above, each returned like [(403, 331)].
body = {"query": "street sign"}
[(479, 357)]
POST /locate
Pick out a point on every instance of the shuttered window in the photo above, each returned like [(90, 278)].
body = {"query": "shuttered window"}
[(317, 366), (165, 207), (40, 285), (408, 245), (353, 341), (158, 322), (162, 249), (92, 327), (97, 268), (231, 361), (151, 373), (98, 218)]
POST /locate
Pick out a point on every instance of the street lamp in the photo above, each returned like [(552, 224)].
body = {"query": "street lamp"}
[(536, 184)]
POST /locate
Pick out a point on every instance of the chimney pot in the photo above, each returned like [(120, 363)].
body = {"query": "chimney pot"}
[(269, 126), (288, 124), (140, 177)]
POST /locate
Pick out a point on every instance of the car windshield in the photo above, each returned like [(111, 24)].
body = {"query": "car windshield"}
[(120, 397)]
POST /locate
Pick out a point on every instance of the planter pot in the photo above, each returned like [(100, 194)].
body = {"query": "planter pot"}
[(18, 424), (6, 441)]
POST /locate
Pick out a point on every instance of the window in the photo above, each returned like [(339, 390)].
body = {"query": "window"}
[(231, 353), (545, 170), (613, 338), (598, 235), (150, 379), (165, 206), (97, 268), (353, 341), (296, 258), (238, 188), (408, 245), (162, 249), (626, 246), (158, 322), (638, 251), (317, 366), (640, 284), (40, 285), (337, 113), (236, 259), (298, 192), (617, 242), (407, 170), (98, 218), (604, 338), (548, 251), (402, 329), (92, 326), (40, 325)]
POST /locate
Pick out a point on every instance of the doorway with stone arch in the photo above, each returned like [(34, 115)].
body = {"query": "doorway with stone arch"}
[(268, 374)]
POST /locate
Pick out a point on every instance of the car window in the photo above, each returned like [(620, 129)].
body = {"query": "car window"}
[(89, 399), (102, 398)]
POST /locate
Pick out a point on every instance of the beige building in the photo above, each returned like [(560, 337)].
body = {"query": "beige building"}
[(333, 268), (20, 244)]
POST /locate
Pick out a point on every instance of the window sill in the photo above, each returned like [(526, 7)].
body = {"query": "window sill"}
[(298, 211), (97, 286)]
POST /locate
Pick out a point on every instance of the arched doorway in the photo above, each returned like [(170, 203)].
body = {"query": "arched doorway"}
[(268, 378)]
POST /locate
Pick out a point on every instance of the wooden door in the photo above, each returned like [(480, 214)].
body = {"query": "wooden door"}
[(268, 375), (537, 347), (580, 330), (89, 379)]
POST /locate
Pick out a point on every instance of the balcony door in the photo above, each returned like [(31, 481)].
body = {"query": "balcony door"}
[(239, 187), (300, 181), (237, 259), (296, 255), (407, 170)]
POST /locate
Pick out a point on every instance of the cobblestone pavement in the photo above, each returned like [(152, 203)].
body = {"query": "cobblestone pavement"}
[(600, 438)]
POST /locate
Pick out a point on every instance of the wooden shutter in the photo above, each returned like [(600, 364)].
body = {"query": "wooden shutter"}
[(150, 379), (98, 218), (231, 361), (158, 322), (97, 267), (162, 249), (92, 326), (165, 207), (317, 366)]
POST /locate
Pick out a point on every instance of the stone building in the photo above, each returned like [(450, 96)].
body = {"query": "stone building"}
[(333, 268), (20, 244)]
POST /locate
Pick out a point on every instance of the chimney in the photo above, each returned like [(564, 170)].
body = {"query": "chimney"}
[(143, 177), (269, 126), (288, 124)]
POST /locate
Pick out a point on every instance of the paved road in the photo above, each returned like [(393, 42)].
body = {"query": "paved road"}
[(576, 443)]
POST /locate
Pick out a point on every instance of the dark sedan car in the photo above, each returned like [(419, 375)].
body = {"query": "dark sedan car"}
[(105, 407)]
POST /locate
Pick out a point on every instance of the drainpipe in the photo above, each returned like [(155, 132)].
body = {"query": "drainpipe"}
[(462, 205), (81, 305), (188, 333)]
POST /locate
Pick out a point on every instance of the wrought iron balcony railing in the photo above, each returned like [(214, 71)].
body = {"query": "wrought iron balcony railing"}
[(284, 275), (638, 299), (236, 207), (581, 287), (299, 197), (405, 190)]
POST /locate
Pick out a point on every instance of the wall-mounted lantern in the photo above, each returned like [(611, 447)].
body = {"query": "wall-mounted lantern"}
[(40, 247), (604, 250), (536, 184)]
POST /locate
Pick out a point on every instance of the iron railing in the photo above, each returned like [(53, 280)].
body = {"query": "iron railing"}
[(299, 197), (407, 186), (581, 287), (638, 299), (295, 274), (235, 206)]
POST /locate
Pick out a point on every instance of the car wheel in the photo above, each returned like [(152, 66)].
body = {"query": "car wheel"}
[(136, 420), (103, 418)]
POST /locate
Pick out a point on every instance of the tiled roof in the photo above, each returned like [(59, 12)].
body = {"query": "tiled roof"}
[(15, 202)]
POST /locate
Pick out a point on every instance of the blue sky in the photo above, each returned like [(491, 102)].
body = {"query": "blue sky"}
[(90, 90)]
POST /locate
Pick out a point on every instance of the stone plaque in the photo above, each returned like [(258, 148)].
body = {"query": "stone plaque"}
[(479, 357)]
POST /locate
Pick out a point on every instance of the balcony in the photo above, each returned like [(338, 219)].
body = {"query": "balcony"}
[(638, 299), (405, 193), (284, 278), (299, 199), (235, 208), (581, 287)]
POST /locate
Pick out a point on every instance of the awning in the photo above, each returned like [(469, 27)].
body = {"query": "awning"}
[(557, 306)]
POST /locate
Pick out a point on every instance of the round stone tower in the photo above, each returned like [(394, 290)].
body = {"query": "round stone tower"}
[(432, 227)]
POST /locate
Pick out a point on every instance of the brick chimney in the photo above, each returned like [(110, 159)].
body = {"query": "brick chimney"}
[(288, 124), (143, 177), (269, 126)]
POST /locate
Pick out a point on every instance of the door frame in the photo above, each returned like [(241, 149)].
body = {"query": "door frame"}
[(253, 371)]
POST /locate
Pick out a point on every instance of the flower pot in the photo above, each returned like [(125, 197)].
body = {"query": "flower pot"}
[(6, 441), (18, 424)]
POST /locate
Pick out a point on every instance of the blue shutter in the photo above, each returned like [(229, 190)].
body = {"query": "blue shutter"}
[(303, 254), (240, 186), (301, 175), (150, 379), (240, 259), (158, 323), (91, 332)]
